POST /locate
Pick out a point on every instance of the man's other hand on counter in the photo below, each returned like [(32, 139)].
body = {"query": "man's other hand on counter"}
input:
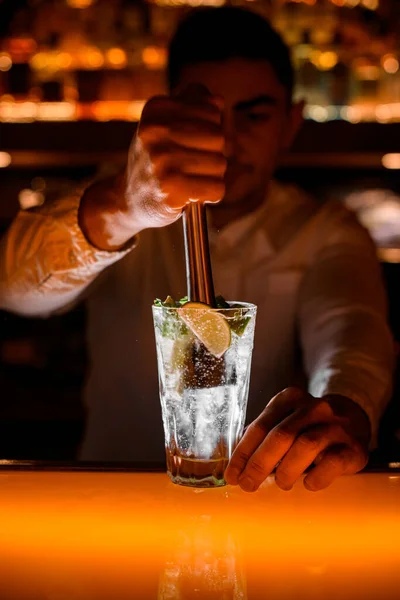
[(296, 431)]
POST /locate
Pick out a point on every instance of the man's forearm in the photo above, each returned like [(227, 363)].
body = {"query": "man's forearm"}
[(46, 262), (101, 215)]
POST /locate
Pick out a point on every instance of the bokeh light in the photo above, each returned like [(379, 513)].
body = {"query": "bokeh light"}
[(391, 161), (92, 58), (5, 160), (5, 61), (29, 198), (116, 57), (390, 64), (154, 57), (80, 3)]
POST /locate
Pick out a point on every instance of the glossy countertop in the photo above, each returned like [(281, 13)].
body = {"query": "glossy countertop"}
[(85, 535)]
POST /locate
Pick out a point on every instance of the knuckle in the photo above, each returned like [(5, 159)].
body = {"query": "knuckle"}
[(309, 441), (292, 390), (337, 432), (219, 191), (241, 456), (161, 166), (288, 394), (257, 469), (171, 186), (219, 142), (222, 162), (155, 103), (150, 133), (323, 408), (333, 460), (258, 427), (281, 436)]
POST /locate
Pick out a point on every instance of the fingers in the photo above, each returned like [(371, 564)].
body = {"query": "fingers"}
[(305, 450), (197, 134), (276, 410), (290, 444), (167, 109), (184, 143), (280, 432), (336, 461), (172, 158), (179, 189)]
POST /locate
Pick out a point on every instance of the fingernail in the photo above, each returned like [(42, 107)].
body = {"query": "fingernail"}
[(247, 484), (309, 487), (283, 486)]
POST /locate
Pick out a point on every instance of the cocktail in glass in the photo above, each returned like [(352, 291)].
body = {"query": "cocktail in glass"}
[(204, 361)]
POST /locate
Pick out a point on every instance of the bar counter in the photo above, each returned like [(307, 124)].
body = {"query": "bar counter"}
[(84, 534)]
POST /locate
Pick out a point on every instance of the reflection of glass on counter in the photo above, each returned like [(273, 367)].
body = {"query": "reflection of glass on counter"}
[(205, 563)]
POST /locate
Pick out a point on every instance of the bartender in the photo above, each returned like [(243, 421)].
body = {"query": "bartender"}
[(323, 355)]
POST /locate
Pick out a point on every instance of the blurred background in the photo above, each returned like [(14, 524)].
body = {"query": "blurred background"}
[(74, 76)]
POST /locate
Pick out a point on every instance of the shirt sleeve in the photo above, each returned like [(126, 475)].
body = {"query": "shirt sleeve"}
[(46, 263), (346, 342)]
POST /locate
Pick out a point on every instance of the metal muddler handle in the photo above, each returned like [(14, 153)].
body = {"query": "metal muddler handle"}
[(200, 286)]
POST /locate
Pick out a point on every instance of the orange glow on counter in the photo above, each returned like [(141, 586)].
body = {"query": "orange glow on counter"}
[(136, 535)]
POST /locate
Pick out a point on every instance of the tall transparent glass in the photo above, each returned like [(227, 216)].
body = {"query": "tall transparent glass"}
[(203, 393)]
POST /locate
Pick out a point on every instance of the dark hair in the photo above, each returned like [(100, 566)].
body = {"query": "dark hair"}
[(212, 34)]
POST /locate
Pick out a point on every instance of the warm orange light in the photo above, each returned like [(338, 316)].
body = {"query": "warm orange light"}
[(92, 58), (29, 198), (39, 61), (324, 60), (154, 57), (112, 110), (366, 71), (64, 60), (137, 535), (391, 161), (135, 109), (352, 114), (383, 113), (318, 113), (22, 46), (390, 64), (5, 61), (370, 4), (55, 111), (25, 112), (193, 3), (18, 111), (5, 160), (117, 57), (80, 3)]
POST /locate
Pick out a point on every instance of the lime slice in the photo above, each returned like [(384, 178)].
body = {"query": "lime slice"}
[(209, 326)]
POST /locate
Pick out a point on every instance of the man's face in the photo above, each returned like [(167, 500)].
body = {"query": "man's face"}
[(257, 121)]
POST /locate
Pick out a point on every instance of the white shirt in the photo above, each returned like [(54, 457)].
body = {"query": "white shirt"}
[(311, 270)]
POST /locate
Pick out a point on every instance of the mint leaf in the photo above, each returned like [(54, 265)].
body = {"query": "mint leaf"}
[(238, 325), (221, 302)]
